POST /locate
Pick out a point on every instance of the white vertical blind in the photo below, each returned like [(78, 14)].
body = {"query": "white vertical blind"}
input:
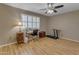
[(31, 22)]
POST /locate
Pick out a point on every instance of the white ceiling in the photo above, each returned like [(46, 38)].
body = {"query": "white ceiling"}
[(35, 7)]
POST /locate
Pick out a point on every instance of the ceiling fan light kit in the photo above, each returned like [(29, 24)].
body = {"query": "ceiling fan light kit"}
[(50, 11), (51, 8)]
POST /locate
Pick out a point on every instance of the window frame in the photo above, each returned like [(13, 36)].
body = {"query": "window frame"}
[(36, 27)]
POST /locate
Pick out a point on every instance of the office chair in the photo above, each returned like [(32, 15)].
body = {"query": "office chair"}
[(35, 34)]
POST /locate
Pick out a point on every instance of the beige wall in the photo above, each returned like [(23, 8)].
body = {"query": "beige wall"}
[(68, 23), (10, 16)]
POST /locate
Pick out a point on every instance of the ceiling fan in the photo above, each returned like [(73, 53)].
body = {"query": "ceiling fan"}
[(51, 8)]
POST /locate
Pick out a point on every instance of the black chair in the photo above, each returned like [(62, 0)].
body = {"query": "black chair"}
[(35, 34)]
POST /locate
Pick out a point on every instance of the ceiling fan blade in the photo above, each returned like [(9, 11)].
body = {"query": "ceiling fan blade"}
[(43, 9), (46, 12), (59, 6), (55, 11)]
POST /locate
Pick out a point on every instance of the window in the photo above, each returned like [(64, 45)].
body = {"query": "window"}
[(31, 22)]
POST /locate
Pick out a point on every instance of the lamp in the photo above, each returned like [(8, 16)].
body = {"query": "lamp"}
[(19, 25)]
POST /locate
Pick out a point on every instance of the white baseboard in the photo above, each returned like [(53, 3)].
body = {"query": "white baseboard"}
[(70, 39), (8, 44), (61, 38), (13, 43)]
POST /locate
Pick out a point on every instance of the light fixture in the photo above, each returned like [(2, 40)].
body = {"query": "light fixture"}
[(50, 11), (51, 8), (19, 25)]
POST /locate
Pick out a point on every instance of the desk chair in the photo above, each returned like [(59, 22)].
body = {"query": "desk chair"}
[(35, 34)]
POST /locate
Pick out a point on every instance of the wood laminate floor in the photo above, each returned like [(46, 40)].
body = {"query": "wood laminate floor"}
[(44, 46)]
